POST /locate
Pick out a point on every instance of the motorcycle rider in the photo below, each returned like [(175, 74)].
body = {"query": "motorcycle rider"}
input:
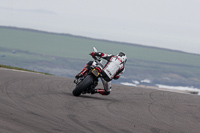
[(112, 70)]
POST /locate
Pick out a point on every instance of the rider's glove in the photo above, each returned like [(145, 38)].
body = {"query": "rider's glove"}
[(92, 54), (116, 77)]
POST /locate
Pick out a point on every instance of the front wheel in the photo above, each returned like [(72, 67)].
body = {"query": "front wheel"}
[(83, 85)]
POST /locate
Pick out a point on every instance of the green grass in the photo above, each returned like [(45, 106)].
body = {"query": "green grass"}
[(21, 69)]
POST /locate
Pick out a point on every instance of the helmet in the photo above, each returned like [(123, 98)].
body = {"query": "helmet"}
[(122, 56)]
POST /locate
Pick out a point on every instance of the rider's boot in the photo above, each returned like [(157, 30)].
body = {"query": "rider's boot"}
[(101, 91), (82, 73)]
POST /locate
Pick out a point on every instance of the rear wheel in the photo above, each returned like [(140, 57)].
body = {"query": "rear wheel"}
[(83, 85)]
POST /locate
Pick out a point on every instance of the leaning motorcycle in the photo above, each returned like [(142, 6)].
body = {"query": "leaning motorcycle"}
[(87, 83)]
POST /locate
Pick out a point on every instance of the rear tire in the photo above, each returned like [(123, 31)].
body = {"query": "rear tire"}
[(83, 85)]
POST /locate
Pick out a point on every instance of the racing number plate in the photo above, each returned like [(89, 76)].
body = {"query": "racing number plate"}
[(95, 72)]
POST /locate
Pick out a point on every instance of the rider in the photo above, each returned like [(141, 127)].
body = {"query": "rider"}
[(112, 70)]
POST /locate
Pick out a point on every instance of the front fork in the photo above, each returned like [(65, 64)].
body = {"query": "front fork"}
[(91, 88)]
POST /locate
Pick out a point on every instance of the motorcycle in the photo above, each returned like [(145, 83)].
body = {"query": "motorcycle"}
[(87, 83)]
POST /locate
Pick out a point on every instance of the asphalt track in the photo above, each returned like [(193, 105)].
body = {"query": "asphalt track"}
[(36, 103)]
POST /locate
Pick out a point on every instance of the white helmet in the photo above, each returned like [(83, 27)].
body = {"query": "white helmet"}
[(122, 56)]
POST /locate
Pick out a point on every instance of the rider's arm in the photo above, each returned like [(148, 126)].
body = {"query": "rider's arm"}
[(120, 72), (102, 55)]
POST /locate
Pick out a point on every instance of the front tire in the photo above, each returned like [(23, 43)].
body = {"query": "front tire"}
[(83, 85)]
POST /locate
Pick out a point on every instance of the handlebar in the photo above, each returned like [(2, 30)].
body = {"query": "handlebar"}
[(96, 58)]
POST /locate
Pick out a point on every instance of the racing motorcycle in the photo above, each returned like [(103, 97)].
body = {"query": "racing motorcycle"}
[(87, 83)]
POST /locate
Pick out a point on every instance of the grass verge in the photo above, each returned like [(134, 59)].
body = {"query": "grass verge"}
[(22, 69)]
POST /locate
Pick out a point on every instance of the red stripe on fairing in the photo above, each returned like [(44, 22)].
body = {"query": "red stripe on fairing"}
[(102, 54), (98, 69)]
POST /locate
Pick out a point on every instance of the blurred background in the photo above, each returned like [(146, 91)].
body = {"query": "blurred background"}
[(160, 38)]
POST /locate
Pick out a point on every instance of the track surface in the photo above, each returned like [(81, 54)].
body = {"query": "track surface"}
[(36, 103)]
